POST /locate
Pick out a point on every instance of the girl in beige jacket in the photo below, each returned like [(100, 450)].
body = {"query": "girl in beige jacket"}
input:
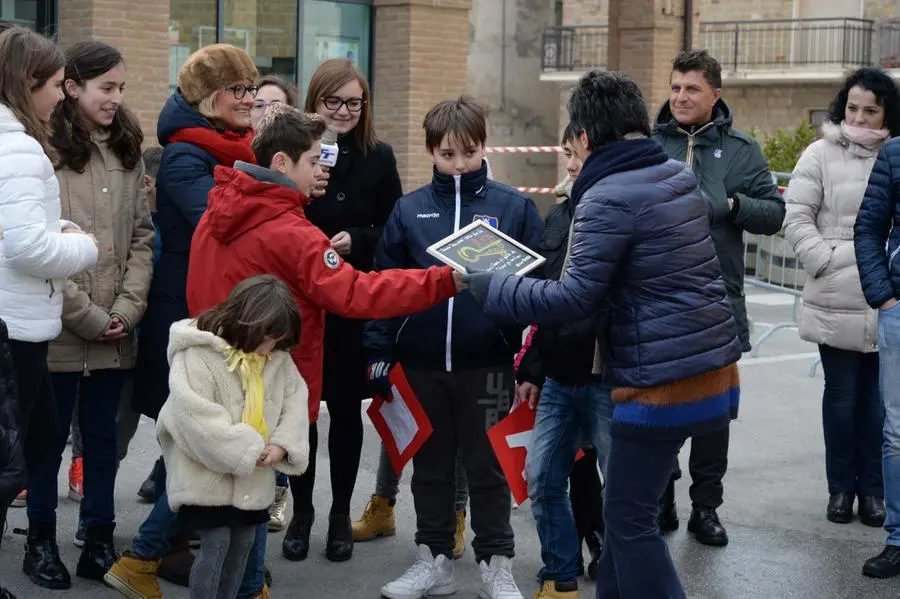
[(824, 197), (237, 409)]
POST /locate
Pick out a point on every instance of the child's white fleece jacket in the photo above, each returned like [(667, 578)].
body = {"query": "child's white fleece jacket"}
[(210, 454)]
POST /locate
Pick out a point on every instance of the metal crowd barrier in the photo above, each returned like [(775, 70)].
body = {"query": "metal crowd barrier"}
[(770, 264)]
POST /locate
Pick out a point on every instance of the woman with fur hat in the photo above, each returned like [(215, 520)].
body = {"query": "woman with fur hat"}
[(205, 123)]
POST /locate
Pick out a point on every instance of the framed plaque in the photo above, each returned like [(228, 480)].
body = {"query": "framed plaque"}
[(479, 247)]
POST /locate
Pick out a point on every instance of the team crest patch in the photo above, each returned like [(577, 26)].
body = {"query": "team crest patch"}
[(332, 260), (491, 220)]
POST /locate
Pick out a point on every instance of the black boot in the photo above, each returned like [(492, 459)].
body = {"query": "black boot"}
[(707, 529), (884, 565), (42, 564), (840, 508), (147, 492), (595, 545), (668, 513), (339, 542), (295, 546), (872, 512), (99, 553)]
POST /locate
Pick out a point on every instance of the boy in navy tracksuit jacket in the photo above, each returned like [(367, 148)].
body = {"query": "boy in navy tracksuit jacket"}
[(458, 362)]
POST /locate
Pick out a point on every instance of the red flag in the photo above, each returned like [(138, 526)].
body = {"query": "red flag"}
[(402, 423)]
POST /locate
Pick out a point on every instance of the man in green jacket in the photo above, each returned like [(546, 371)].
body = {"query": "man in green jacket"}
[(695, 126)]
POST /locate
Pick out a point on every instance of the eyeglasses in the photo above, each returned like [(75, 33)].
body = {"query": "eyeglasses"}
[(335, 103), (241, 90), (261, 105)]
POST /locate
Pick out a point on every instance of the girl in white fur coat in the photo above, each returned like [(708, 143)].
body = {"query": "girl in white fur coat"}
[(237, 409)]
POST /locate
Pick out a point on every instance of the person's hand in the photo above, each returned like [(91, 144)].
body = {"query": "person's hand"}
[(528, 392), (479, 283), (342, 243), (459, 279), (888, 304), (379, 381), (115, 331), (321, 185), (271, 455)]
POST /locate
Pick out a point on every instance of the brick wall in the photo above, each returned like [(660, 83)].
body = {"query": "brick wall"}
[(585, 12), (776, 107), (739, 10), (421, 59), (139, 31)]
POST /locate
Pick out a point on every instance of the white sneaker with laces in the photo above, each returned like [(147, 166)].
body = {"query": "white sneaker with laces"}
[(427, 577), (498, 579)]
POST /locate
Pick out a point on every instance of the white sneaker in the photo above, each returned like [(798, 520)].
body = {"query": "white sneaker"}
[(498, 579), (427, 577)]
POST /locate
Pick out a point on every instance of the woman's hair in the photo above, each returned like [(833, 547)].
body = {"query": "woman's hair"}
[(607, 105), (289, 89), (886, 95), (257, 310), (330, 77), (27, 61), (71, 134)]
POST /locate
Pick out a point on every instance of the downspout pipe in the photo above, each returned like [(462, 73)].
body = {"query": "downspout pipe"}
[(688, 40)]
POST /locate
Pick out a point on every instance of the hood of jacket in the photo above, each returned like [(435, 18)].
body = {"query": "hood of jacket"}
[(178, 114), (834, 134), (665, 122), (247, 196), (184, 335), (8, 121)]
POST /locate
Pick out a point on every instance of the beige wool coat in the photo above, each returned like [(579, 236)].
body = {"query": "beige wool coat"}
[(210, 454), (823, 199), (109, 201)]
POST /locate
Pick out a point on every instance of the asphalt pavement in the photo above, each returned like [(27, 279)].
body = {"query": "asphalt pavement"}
[(782, 547)]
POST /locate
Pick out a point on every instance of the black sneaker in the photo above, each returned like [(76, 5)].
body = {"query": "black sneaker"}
[(147, 492), (884, 565)]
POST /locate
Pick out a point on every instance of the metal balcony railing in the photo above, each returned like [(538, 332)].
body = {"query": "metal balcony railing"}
[(889, 44), (574, 48), (789, 43)]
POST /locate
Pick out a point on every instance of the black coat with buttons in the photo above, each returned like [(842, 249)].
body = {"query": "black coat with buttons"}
[(361, 194)]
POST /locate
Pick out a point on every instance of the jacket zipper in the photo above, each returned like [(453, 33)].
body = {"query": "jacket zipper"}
[(689, 156), (449, 343)]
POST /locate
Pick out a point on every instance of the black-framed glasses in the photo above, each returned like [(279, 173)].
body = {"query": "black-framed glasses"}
[(335, 103), (240, 90)]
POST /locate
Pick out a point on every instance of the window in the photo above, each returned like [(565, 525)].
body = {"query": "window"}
[(20, 12), (334, 30), (192, 24), (267, 30), (817, 118)]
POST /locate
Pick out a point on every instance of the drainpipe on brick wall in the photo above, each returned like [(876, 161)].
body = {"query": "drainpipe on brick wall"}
[(688, 40)]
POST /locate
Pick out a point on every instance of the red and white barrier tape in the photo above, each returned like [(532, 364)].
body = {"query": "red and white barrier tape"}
[(534, 189), (522, 149)]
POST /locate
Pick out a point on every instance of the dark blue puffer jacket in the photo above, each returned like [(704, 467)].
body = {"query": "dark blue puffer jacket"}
[(878, 226), (641, 241), (454, 335)]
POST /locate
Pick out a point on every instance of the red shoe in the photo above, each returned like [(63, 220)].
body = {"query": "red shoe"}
[(21, 499), (76, 480)]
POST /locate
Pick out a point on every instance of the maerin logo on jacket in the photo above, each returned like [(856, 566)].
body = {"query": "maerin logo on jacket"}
[(491, 220)]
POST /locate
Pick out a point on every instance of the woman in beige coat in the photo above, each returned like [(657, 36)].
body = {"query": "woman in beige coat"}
[(101, 179), (824, 196)]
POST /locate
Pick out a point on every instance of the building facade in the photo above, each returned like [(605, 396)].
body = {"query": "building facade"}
[(392, 41)]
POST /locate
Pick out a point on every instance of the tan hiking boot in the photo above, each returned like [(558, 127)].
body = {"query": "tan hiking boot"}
[(460, 547), (134, 577), (549, 591), (377, 521), (263, 594)]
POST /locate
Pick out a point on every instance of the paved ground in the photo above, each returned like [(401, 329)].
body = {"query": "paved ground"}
[(781, 545)]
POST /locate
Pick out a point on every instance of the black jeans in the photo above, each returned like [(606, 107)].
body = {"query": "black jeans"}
[(38, 417), (708, 463), (852, 419), (461, 407)]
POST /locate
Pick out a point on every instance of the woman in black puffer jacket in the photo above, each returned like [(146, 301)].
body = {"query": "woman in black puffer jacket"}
[(12, 461)]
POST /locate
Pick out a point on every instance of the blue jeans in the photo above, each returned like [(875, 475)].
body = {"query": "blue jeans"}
[(97, 409), (566, 416), (635, 561), (157, 531), (889, 377), (852, 418)]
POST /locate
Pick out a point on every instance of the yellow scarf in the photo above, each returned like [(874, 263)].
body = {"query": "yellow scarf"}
[(250, 367)]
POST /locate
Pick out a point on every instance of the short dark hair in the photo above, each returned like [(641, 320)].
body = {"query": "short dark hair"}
[(882, 87), (699, 60), (607, 105), (286, 129), (463, 118), (152, 157), (257, 310), (568, 135)]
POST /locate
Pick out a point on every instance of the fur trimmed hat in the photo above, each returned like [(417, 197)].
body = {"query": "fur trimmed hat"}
[(214, 68)]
